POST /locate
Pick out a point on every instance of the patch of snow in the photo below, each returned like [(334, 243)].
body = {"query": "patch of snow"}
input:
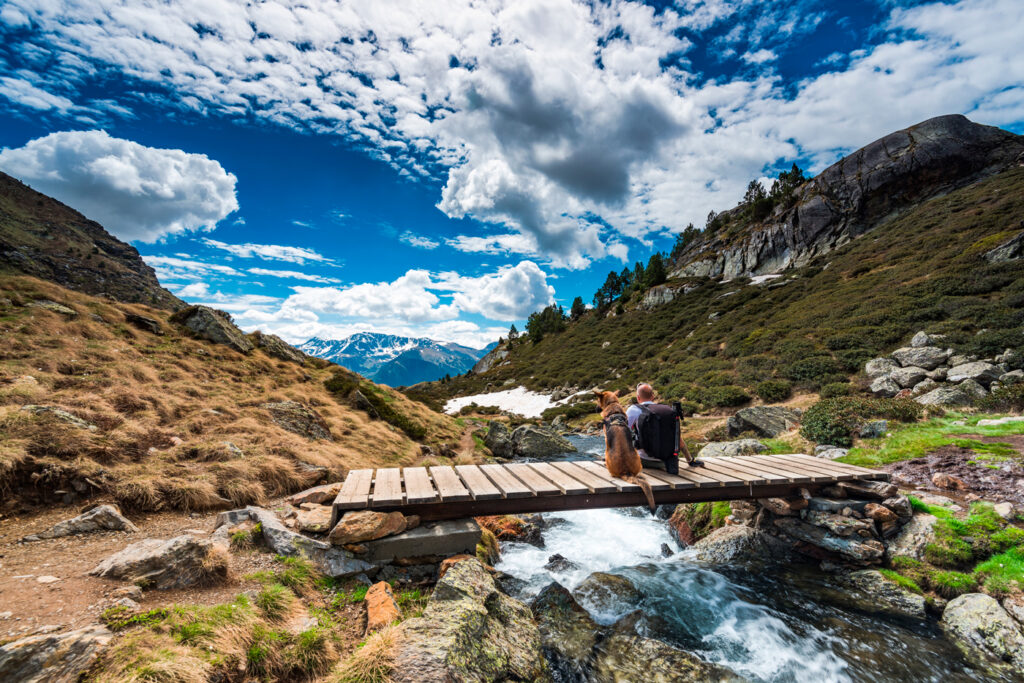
[(519, 400), (761, 279)]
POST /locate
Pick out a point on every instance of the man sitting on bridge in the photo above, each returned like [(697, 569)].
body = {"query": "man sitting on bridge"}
[(656, 431)]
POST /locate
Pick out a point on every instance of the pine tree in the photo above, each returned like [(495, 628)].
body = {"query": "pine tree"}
[(655, 273), (578, 308)]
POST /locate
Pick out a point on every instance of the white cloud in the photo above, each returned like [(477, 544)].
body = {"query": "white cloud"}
[(199, 293), (177, 268), (24, 93), (136, 192), (510, 294), (269, 252), (539, 114), (418, 241), (294, 275)]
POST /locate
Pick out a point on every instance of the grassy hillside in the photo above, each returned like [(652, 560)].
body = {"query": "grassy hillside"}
[(179, 421), (812, 328)]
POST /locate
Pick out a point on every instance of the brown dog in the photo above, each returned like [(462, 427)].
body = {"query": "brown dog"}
[(620, 457)]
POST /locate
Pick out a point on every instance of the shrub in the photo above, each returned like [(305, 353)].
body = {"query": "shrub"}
[(834, 420), (774, 390), (723, 397), (570, 411), (836, 389), (1004, 399), (810, 369)]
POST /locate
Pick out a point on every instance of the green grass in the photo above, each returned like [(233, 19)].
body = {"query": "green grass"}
[(936, 510), (901, 580), (951, 584), (916, 440), (1004, 573), (274, 601)]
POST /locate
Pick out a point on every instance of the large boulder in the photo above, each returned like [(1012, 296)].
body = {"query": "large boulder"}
[(212, 325), (926, 357), (988, 636), (884, 386), (608, 595), (944, 396), (624, 656), (766, 421), (852, 547), (909, 376), (100, 518), (357, 526), (325, 493), (568, 634), (180, 562), (299, 419), (499, 440), (921, 339), (531, 441), (716, 449), (890, 596), (737, 544), (329, 560), (981, 372), (274, 346), (1010, 250), (880, 367), (469, 631), (52, 657)]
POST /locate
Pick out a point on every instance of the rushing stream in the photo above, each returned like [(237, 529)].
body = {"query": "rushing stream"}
[(774, 624)]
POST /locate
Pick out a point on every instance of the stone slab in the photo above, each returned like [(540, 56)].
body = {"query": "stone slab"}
[(450, 537)]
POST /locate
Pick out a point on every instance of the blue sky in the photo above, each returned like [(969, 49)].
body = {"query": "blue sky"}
[(444, 169)]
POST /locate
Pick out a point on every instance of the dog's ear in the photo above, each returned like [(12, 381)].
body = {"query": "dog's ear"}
[(598, 394), (615, 393)]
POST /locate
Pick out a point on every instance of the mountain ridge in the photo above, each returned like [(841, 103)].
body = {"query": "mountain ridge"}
[(395, 360)]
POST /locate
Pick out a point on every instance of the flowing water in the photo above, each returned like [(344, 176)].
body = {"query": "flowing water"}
[(766, 624)]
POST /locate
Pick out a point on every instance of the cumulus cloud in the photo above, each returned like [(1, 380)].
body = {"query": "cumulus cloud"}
[(269, 252), (136, 192), (509, 294), (538, 115)]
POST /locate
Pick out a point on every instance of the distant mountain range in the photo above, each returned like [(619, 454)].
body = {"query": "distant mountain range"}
[(396, 361)]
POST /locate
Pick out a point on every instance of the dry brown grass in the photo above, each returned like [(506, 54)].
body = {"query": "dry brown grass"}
[(372, 663), (151, 657), (165, 407)]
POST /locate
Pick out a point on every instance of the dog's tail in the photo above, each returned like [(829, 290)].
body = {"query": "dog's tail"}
[(645, 486)]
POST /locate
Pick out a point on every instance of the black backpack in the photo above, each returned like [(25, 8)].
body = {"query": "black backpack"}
[(657, 432)]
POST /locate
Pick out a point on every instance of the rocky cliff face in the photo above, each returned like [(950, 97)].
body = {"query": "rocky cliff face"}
[(858, 193), (43, 238)]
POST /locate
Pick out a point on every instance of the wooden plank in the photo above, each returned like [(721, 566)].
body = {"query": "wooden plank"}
[(565, 483), (744, 474), (759, 468), (506, 481), (822, 465), (594, 483), (449, 486), (480, 487), (786, 466), (387, 487), (600, 471), (355, 492), (532, 478), (656, 483), (418, 487), (723, 478), (833, 465), (673, 481), (694, 474), (779, 471), (811, 468)]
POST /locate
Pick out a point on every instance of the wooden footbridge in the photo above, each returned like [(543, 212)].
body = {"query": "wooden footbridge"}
[(445, 492)]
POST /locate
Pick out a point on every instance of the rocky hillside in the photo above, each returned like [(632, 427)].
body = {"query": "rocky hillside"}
[(919, 230), (395, 360), (43, 238), (153, 410)]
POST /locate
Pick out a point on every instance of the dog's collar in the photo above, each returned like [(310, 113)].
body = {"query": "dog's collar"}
[(616, 419)]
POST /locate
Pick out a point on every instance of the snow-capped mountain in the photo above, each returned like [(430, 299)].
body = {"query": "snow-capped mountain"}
[(394, 360)]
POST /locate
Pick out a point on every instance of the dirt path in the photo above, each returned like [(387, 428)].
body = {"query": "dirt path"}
[(76, 599), (994, 479)]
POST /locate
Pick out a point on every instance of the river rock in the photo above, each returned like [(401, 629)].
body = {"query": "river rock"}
[(623, 656), (52, 657), (274, 346), (298, 419), (469, 631), (766, 421), (531, 441), (884, 386), (381, 608), (180, 562), (568, 634), (357, 526), (874, 490), (318, 494), (100, 518), (60, 414), (211, 325), (909, 376), (925, 357), (607, 595), (718, 449), (893, 597), (737, 544), (900, 505), (880, 367), (560, 564), (981, 372), (988, 635), (853, 548), (944, 396)]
